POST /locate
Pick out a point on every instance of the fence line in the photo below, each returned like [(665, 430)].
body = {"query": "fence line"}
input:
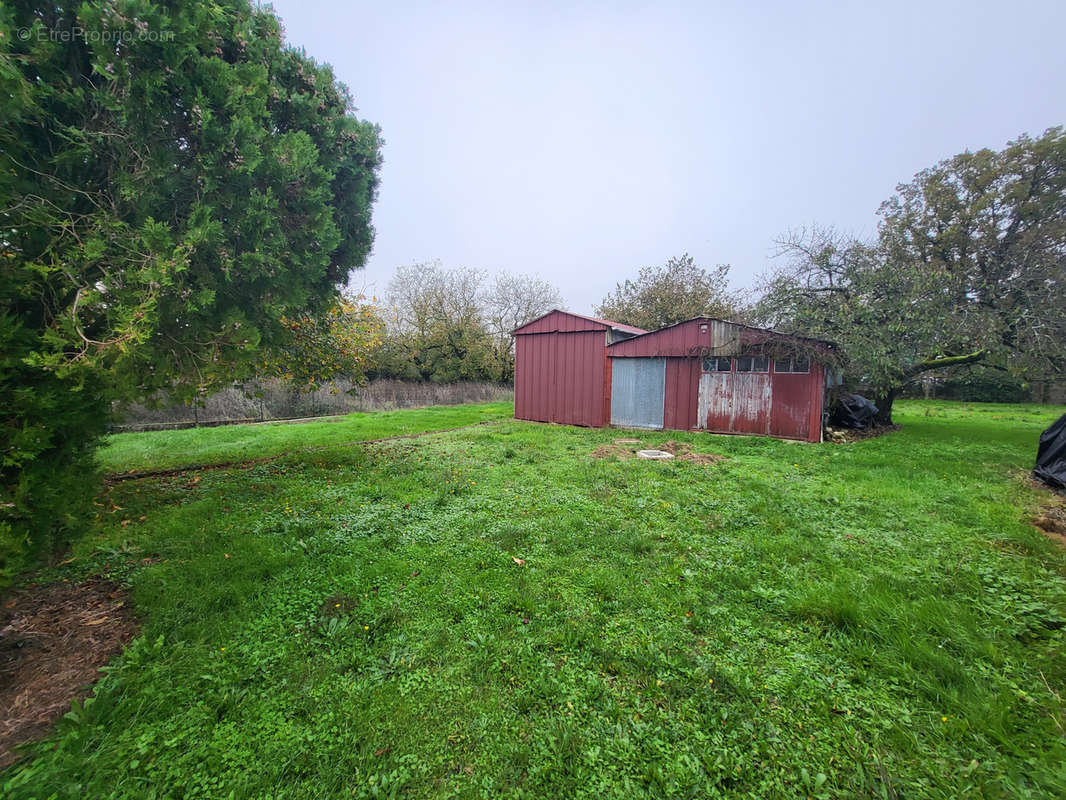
[(275, 400)]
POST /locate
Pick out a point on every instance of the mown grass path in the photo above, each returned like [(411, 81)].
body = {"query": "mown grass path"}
[(493, 612)]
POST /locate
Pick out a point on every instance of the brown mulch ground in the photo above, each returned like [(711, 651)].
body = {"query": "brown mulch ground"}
[(615, 450), (53, 640), (627, 448)]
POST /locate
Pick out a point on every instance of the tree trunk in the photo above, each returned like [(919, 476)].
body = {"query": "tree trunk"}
[(883, 401)]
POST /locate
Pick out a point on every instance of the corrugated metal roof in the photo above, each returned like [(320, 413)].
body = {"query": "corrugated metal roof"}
[(544, 324), (679, 339), (618, 325)]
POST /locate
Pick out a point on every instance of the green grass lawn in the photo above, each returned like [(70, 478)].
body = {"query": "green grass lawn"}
[(155, 450), (867, 620)]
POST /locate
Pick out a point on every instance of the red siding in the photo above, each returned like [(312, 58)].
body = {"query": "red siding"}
[(797, 407), (606, 388), (563, 374), (791, 416), (525, 403), (682, 393), (719, 402), (559, 377), (791, 413), (787, 405), (682, 339)]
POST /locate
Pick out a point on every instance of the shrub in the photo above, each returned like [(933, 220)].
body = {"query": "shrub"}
[(51, 425)]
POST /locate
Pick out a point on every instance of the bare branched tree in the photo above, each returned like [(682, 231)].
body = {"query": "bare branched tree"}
[(449, 324)]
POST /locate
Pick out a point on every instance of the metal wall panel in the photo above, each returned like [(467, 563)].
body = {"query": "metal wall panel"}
[(735, 402), (559, 377), (685, 339), (788, 405), (705, 336), (791, 413), (523, 377), (682, 393), (555, 321), (638, 392)]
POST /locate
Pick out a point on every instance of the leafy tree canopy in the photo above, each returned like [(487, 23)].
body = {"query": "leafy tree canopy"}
[(969, 267), (322, 347), (674, 292)]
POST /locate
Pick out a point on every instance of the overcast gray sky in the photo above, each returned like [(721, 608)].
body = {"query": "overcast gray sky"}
[(581, 141)]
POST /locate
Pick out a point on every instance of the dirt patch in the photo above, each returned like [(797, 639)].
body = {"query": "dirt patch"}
[(1052, 521), (613, 451), (1035, 483), (675, 447), (683, 451), (1050, 518), (848, 435), (627, 448), (53, 640)]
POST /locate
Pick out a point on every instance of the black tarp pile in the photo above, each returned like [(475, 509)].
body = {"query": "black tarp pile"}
[(1051, 455), (853, 411)]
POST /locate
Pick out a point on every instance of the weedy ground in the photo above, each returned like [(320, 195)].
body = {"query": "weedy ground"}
[(493, 611)]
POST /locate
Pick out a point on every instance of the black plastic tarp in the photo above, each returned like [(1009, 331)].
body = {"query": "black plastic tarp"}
[(1051, 455), (853, 411)]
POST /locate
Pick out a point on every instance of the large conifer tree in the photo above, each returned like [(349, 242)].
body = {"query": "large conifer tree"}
[(175, 182)]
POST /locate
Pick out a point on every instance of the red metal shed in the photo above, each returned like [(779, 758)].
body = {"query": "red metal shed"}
[(561, 369), (709, 374)]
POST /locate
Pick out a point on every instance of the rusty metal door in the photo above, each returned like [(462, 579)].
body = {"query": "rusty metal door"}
[(735, 395), (791, 412), (751, 403), (715, 409), (638, 392)]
